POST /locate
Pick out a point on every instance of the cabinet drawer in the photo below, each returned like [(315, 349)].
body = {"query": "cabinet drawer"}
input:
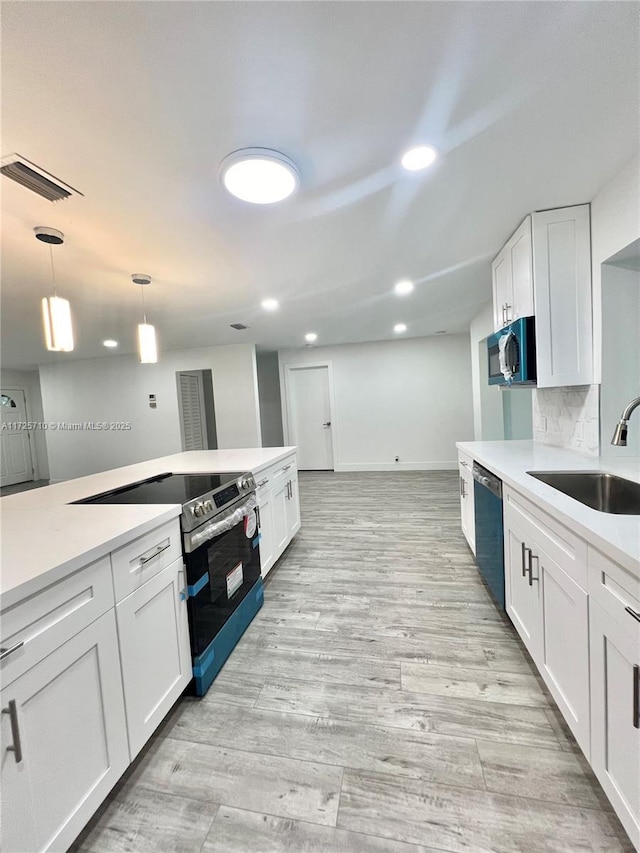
[(46, 620), (275, 474), (138, 561), (615, 589), (465, 462), (561, 544)]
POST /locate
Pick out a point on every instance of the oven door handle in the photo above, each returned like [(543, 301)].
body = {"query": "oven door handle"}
[(221, 524)]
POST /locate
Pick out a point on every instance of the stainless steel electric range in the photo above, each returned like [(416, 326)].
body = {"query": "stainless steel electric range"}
[(220, 525)]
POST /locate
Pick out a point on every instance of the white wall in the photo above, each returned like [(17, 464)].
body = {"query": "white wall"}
[(620, 357), (615, 223), (29, 382), (408, 398), (269, 396), (487, 399), (116, 389)]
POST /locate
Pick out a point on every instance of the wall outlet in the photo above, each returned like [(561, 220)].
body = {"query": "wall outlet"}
[(397, 459)]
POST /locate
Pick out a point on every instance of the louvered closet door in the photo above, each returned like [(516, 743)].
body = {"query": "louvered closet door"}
[(192, 411)]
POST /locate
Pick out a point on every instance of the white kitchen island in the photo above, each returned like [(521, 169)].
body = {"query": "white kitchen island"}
[(95, 635)]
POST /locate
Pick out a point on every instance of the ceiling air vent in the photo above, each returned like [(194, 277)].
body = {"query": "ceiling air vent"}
[(239, 326), (23, 172)]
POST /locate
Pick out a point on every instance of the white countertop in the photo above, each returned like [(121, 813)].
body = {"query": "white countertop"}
[(617, 536), (44, 538)]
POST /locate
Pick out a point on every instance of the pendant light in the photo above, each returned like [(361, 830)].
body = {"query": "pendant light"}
[(147, 347), (56, 312)]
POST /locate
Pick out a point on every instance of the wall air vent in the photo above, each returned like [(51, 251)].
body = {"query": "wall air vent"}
[(238, 326), (23, 172)]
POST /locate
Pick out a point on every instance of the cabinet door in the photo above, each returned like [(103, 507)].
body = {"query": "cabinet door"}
[(467, 512), (280, 524), (521, 258), (293, 508), (155, 653), (71, 723), (565, 648), (502, 288), (615, 740), (522, 596), (267, 537), (562, 286)]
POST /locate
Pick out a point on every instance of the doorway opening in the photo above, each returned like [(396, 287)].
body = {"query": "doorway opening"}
[(197, 410)]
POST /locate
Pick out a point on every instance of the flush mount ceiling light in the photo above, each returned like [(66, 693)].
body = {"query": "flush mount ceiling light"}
[(399, 328), (147, 347), (259, 175), (270, 304), (311, 337), (56, 312), (110, 344), (403, 287), (419, 158)]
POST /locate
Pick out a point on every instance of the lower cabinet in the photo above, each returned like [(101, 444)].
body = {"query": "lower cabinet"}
[(279, 509), (64, 739), (522, 595), (467, 507), (154, 650)]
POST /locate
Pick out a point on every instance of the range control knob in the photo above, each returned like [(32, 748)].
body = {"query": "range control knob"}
[(247, 483), (198, 510), (208, 506)]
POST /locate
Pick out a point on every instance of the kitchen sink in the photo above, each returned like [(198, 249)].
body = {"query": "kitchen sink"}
[(604, 492)]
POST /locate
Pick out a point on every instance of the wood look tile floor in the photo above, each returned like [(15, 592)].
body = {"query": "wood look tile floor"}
[(379, 703)]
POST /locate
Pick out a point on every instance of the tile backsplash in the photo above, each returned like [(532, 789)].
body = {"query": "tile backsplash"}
[(568, 417)]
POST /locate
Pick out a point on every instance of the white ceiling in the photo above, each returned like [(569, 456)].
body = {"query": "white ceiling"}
[(532, 105)]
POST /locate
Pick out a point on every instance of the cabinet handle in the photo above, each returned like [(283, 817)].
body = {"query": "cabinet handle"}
[(636, 697), (184, 592), (286, 467), (4, 653), (258, 517), (531, 577), (158, 551), (464, 463), (525, 569), (629, 610), (262, 482), (507, 306), (16, 747), (504, 322), (460, 486)]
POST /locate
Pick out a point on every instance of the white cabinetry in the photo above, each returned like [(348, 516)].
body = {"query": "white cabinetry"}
[(562, 286), (279, 510), (544, 269), (154, 649), (66, 714), (546, 598), (513, 278), (615, 687), (467, 508)]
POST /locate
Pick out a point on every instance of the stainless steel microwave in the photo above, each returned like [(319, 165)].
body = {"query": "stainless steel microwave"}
[(512, 354)]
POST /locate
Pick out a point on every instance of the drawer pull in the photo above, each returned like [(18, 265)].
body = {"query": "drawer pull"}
[(16, 747), (636, 697), (156, 553), (526, 568), (4, 653), (262, 482), (633, 613)]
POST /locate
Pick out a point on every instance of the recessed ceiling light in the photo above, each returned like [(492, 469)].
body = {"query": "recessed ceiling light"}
[(399, 328), (311, 337), (419, 158), (403, 287), (259, 175), (269, 304), (109, 343)]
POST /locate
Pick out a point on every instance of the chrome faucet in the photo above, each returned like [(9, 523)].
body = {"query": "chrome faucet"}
[(620, 433)]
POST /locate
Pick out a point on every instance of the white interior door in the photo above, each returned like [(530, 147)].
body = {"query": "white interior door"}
[(16, 465), (193, 424), (310, 428)]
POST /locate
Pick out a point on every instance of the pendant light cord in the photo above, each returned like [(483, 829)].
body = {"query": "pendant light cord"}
[(144, 313), (53, 272)]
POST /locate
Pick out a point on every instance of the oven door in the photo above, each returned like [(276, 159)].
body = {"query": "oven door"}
[(221, 571)]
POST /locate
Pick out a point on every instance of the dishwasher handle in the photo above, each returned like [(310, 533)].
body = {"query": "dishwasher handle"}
[(487, 479)]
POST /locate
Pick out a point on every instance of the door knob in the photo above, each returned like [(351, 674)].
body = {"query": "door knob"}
[(327, 425)]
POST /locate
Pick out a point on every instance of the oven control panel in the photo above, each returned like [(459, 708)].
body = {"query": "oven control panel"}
[(200, 509)]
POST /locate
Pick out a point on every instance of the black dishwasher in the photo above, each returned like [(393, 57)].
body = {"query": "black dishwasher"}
[(487, 498)]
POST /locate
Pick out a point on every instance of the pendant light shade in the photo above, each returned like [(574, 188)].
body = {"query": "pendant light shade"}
[(147, 343), (147, 347), (58, 331), (56, 312)]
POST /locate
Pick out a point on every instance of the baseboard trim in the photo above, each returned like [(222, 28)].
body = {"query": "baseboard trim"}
[(346, 467)]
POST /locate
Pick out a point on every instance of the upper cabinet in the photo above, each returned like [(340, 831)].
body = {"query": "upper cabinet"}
[(513, 278), (544, 270)]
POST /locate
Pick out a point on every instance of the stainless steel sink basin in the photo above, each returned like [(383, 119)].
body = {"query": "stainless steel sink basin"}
[(604, 492)]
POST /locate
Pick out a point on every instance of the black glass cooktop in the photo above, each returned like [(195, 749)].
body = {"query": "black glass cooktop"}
[(164, 489)]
